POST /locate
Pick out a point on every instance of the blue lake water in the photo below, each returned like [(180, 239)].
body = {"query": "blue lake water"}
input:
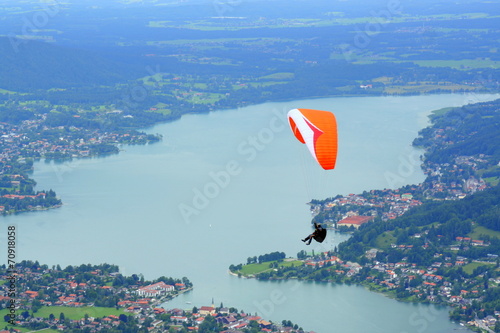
[(233, 184)]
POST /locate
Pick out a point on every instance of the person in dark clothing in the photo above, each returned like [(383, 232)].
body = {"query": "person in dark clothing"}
[(319, 234)]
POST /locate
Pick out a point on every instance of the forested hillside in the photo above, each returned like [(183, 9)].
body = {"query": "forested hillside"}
[(468, 130), (28, 65)]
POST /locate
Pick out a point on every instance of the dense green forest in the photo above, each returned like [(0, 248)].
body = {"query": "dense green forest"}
[(39, 65)]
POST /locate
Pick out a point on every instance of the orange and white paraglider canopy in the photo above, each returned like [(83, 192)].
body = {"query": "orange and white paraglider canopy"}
[(318, 131)]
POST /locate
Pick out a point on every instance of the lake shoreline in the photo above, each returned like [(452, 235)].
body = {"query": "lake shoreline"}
[(140, 190)]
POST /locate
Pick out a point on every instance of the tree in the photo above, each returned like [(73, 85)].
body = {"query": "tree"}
[(36, 305), (302, 255), (254, 326), (209, 325), (148, 322)]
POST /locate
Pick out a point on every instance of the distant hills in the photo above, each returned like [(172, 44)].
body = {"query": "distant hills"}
[(27, 65)]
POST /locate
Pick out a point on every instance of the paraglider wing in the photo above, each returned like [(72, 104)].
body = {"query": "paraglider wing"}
[(318, 131)]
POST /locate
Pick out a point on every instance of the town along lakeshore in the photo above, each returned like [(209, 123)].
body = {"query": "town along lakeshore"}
[(125, 209)]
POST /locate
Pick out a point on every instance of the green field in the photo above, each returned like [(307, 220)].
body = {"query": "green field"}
[(493, 181), (24, 329), (469, 268), (239, 24), (479, 230), (254, 269), (72, 312), (3, 91), (78, 313), (279, 76), (385, 240), (459, 64), (333, 19), (442, 111), (426, 88)]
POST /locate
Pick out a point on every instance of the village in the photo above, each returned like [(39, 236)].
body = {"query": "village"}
[(406, 280), (36, 139), (455, 281), (442, 183), (31, 140), (95, 298)]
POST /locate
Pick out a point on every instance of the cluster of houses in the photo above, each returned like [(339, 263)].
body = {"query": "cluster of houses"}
[(58, 292), (433, 287), (453, 179), (143, 302), (444, 181), (388, 204), (423, 283), (40, 195), (320, 262), (28, 140), (232, 322), (465, 242), (155, 290), (43, 286)]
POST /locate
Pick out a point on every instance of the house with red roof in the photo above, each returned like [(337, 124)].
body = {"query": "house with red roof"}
[(179, 318), (207, 310), (354, 221)]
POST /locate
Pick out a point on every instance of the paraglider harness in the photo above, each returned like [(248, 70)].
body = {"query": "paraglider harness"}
[(319, 234)]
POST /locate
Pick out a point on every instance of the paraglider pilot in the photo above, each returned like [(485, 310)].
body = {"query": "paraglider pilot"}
[(319, 234)]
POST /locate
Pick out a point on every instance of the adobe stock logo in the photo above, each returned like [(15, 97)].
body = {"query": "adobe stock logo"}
[(32, 24), (364, 35), (408, 165), (247, 150), (223, 7)]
